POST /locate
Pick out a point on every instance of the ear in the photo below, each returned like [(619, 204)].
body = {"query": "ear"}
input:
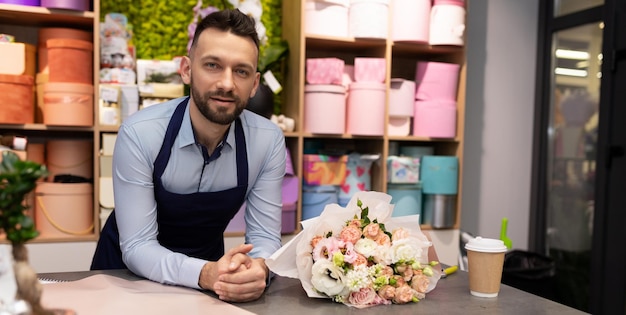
[(257, 81), (185, 70)]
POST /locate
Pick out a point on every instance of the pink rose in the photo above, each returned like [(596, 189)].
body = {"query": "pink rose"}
[(399, 281), (384, 240), (365, 296), (350, 234), (387, 271), (420, 283), (404, 294), (354, 223), (372, 231), (387, 292), (360, 260), (399, 234), (408, 273), (316, 240)]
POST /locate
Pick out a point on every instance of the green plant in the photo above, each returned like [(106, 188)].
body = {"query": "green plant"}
[(17, 179)]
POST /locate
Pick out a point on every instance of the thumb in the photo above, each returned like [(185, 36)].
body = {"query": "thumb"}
[(237, 256)]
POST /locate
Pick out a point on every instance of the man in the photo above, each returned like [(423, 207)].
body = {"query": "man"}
[(183, 168)]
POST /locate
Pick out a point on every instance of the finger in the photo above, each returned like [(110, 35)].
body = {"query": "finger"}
[(239, 261), (225, 263)]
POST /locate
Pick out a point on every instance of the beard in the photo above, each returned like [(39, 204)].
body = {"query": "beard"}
[(220, 115)]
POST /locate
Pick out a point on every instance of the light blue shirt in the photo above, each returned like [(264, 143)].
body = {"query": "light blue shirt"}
[(138, 143)]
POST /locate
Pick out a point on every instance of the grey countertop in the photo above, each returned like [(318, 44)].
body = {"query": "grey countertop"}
[(451, 296)]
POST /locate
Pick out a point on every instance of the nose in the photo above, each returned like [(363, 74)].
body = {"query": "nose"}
[(226, 82)]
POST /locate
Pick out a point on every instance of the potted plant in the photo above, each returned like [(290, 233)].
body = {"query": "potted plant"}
[(17, 179)]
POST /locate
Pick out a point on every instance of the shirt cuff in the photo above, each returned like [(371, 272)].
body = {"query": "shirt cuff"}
[(190, 272)]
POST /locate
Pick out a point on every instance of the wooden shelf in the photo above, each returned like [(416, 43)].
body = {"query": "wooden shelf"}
[(40, 16)]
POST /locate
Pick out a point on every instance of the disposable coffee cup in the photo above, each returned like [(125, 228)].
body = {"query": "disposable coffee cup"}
[(485, 258)]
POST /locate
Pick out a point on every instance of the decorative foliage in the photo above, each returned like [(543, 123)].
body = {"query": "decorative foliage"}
[(17, 178)]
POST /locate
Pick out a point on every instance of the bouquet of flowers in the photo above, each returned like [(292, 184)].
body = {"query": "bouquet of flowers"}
[(360, 255)]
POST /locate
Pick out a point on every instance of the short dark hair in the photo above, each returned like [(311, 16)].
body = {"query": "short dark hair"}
[(228, 20)]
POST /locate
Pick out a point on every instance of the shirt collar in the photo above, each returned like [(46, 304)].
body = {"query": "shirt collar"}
[(186, 136)]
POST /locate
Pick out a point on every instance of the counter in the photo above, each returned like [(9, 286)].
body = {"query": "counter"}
[(451, 296)]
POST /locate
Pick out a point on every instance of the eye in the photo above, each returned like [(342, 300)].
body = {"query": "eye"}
[(211, 65), (242, 73)]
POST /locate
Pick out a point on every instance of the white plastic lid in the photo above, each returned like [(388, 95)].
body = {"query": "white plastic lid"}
[(486, 245)]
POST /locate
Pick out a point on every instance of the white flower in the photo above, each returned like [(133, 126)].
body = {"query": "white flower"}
[(357, 278), (328, 278), (406, 249), (382, 255), (254, 9), (366, 247)]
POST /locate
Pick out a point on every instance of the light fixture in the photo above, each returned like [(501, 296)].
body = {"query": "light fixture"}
[(572, 54), (570, 72)]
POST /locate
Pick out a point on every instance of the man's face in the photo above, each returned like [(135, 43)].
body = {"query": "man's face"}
[(222, 75)]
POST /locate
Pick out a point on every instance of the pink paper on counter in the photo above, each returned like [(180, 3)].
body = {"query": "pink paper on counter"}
[(104, 294)]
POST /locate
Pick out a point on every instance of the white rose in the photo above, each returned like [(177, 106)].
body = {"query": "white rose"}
[(405, 249), (382, 255), (366, 247), (327, 278)]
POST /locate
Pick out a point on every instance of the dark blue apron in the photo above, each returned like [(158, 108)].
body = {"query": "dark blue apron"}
[(192, 224)]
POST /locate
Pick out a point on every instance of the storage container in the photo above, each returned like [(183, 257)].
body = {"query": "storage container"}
[(288, 218), (324, 109), (70, 60), (439, 210), (399, 126), (410, 20), (358, 176), (447, 23), (416, 151), (68, 104), (46, 33), (17, 104), (403, 169), (401, 98), (315, 199), (320, 169), (406, 198), (77, 5), (369, 18), (69, 157), (370, 69), (439, 174), (64, 210), (327, 18), (436, 80), (18, 59), (324, 71), (366, 109), (435, 119), (22, 2)]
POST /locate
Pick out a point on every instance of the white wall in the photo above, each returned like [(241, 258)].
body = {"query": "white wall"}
[(501, 53)]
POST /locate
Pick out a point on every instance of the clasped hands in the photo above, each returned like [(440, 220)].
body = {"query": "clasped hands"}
[(236, 277)]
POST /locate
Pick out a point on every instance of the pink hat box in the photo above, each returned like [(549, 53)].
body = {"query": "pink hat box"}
[(77, 5), (69, 157), (17, 100), (64, 209), (70, 60), (327, 17), (435, 119), (324, 109), (370, 69), (369, 18), (324, 70), (68, 104), (46, 33), (447, 23), (436, 80), (366, 109), (399, 126), (410, 21), (401, 98)]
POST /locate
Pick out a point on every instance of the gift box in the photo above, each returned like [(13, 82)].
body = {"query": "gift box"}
[(369, 18), (324, 109), (401, 98), (370, 70), (410, 21), (68, 104), (399, 126), (324, 71), (322, 169), (366, 109), (70, 60), (17, 59), (435, 119), (17, 99), (407, 199), (358, 175), (447, 22), (436, 80), (403, 169), (315, 199), (440, 174), (327, 17)]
